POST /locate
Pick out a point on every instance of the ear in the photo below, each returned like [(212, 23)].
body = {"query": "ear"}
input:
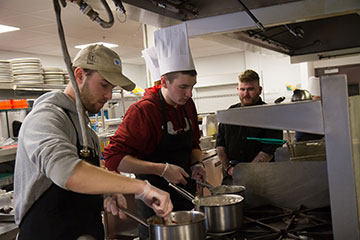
[(260, 89), (79, 74), (163, 81)]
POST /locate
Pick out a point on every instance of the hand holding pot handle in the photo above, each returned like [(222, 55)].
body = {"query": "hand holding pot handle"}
[(174, 174), (113, 203), (198, 172), (162, 205)]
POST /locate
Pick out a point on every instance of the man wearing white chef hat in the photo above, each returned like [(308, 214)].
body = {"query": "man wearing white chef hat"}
[(158, 139), (152, 63)]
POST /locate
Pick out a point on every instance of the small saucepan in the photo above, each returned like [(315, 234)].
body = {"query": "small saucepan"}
[(180, 225), (223, 213)]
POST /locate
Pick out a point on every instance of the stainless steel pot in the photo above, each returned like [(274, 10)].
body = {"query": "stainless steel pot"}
[(223, 213), (182, 225)]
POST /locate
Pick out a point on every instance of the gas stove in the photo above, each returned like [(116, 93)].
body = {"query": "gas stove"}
[(269, 222)]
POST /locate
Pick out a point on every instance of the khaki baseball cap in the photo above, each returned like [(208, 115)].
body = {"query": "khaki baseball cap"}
[(106, 62)]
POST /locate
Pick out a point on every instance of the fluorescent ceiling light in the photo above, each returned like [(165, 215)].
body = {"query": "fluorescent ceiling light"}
[(4, 28), (109, 45)]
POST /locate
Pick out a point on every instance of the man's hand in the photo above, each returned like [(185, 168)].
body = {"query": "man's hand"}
[(230, 171), (198, 172), (262, 157), (174, 174), (112, 204), (157, 199)]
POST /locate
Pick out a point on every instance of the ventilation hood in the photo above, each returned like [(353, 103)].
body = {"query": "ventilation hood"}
[(305, 30)]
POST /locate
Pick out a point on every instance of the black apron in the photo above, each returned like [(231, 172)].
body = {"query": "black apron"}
[(63, 214), (173, 149)]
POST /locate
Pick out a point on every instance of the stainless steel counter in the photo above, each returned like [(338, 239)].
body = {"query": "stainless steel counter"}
[(7, 154), (8, 230)]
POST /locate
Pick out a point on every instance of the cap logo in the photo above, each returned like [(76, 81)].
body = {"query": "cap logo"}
[(117, 62), (91, 58)]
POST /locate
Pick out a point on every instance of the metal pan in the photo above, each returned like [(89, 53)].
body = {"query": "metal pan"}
[(223, 213), (180, 225)]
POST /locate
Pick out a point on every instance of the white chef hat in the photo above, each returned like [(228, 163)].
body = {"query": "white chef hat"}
[(172, 47), (152, 62), (314, 86)]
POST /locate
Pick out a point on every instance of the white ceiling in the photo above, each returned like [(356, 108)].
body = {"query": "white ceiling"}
[(38, 34)]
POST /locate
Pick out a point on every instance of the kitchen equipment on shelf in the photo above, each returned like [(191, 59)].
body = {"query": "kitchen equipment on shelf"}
[(5, 72), (223, 213), (26, 71), (53, 75), (301, 95)]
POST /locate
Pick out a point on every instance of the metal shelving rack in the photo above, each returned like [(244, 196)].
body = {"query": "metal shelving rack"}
[(330, 116), (23, 91)]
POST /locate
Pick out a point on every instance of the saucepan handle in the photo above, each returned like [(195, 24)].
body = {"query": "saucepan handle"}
[(183, 192), (134, 216)]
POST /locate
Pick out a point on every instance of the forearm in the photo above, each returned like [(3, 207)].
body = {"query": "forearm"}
[(89, 179), (132, 164), (196, 156), (263, 157), (222, 156)]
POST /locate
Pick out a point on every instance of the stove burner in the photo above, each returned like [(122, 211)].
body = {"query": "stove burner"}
[(273, 223), (296, 220)]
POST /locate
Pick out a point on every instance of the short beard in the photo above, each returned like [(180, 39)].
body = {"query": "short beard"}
[(253, 102), (86, 97)]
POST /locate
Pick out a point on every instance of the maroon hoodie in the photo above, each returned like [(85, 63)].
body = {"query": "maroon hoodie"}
[(141, 130)]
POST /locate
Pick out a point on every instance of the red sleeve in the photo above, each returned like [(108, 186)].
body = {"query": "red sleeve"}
[(138, 134)]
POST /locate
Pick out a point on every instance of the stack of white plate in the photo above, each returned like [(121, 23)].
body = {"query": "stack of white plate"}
[(66, 77), (26, 71), (53, 75), (5, 72)]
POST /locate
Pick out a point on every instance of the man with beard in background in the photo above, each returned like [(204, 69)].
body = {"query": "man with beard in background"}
[(232, 145)]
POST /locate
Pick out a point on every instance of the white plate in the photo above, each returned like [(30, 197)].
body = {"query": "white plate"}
[(53, 73), (28, 82), (5, 72), (25, 60), (53, 69), (53, 77), (28, 79), (29, 75), (5, 79)]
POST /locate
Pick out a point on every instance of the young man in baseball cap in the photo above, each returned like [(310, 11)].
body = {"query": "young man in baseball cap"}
[(58, 192)]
